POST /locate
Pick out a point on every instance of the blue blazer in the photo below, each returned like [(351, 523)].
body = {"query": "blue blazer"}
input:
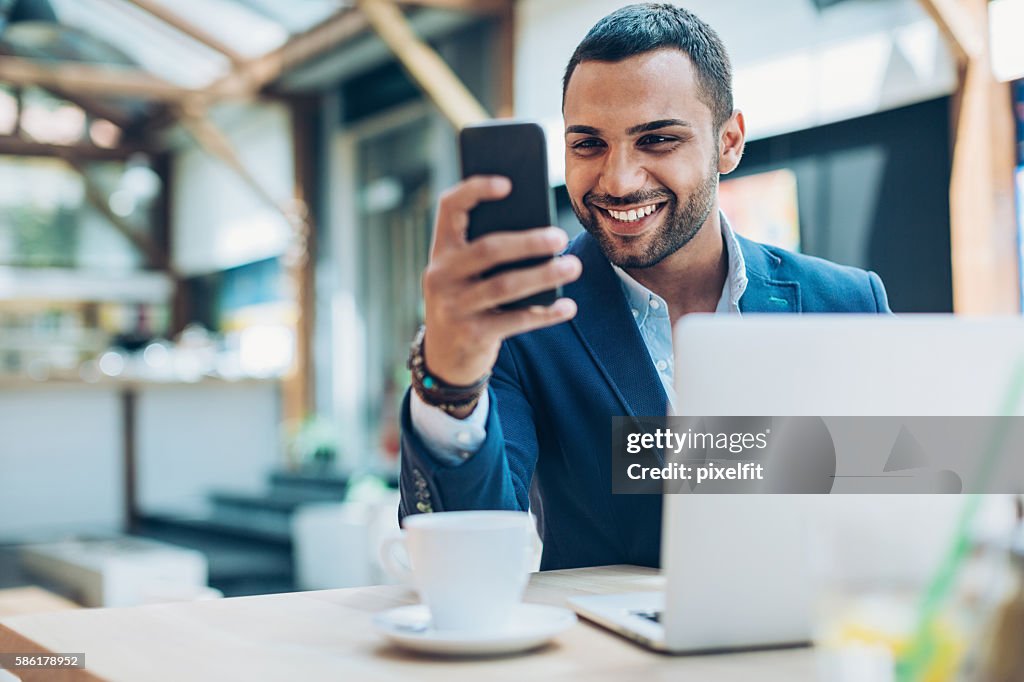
[(553, 393)]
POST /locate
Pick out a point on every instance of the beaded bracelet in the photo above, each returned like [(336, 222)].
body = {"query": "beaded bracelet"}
[(435, 392)]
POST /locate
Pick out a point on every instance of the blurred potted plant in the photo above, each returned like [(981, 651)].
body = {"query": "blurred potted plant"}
[(313, 445)]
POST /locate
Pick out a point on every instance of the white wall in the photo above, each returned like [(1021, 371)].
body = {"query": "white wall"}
[(61, 455), (196, 438), (795, 67), (60, 461), (218, 221)]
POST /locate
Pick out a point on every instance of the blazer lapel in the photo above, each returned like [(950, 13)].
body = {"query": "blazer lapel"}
[(765, 293), (608, 331)]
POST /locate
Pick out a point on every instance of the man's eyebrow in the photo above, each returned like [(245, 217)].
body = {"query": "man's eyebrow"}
[(583, 130), (657, 125)]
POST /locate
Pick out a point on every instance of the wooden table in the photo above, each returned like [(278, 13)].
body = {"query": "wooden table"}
[(327, 635), (22, 600)]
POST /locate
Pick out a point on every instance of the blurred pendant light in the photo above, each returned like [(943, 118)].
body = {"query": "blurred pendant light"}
[(140, 179), (138, 187), (31, 29), (14, 11)]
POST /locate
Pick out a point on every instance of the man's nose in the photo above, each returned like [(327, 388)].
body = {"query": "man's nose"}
[(622, 174)]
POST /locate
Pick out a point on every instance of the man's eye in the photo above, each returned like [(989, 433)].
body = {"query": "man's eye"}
[(656, 140), (588, 143)]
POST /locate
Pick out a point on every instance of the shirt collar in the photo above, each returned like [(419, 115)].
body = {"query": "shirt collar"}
[(645, 303), (736, 278)]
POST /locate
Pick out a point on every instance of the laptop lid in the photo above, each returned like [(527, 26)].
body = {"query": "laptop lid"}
[(744, 567)]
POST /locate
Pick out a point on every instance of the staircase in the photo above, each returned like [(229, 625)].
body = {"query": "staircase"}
[(247, 537)]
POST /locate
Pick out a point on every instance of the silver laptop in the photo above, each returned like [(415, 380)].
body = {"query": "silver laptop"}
[(739, 569)]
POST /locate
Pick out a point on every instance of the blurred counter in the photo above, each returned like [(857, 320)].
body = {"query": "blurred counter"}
[(77, 455), (8, 383)]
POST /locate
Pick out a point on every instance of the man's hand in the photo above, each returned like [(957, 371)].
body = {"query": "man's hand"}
[(464, 326)]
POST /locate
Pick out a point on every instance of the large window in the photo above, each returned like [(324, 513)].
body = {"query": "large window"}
[(381, 244), (46, 219), (395, 205), (392, 155)]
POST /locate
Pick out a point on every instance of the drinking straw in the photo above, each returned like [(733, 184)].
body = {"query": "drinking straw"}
[(921, 649)]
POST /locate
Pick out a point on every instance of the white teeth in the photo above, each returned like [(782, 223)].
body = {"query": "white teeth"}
[(633, 214)]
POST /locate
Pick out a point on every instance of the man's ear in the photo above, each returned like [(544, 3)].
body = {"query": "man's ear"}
[(731, 141)]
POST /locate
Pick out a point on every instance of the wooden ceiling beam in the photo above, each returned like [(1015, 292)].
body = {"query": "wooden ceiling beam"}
[(963, 34), (249, 76), (87, 85), (88, 79), (255, 74), (12, 145), (504, 68), (193, 31), (426, 67), (94, 106)]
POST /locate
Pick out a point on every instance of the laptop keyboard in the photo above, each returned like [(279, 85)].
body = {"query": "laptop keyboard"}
[(653, 616)]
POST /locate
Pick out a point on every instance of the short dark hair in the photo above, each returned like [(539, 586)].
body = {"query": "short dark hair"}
[(646, 27)]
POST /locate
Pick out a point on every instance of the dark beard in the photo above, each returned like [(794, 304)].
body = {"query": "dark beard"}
[(682, 223)]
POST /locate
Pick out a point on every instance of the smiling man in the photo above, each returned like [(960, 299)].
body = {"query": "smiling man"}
[(512, 409)]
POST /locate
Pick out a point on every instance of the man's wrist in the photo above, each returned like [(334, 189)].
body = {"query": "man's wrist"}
[(457, 401), (449, 440)]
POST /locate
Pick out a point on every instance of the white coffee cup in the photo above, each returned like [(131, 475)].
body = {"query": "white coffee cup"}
[(469, 567)]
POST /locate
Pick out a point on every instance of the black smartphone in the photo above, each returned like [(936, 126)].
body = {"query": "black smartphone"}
[(516, 150)]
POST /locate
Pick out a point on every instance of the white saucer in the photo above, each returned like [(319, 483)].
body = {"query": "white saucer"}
[(530, 626)]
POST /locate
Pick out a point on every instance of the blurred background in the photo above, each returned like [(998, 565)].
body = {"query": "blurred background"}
[(214, 215)]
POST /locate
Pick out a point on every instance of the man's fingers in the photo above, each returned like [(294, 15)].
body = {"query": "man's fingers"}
[(514, 285), (512, 322), (484, 253), (454, 206)]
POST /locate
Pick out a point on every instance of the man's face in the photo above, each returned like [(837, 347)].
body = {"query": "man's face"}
[(641, 156)]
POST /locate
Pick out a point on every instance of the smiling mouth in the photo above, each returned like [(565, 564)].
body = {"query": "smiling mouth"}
[(631, 221)]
